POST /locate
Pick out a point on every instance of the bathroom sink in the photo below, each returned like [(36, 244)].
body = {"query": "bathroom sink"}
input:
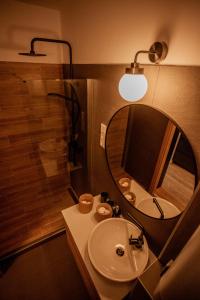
[(110, 252), (148, 207)]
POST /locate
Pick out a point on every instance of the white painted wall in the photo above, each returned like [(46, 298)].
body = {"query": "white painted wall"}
[(19, 23), (111, 31), (101, 31)]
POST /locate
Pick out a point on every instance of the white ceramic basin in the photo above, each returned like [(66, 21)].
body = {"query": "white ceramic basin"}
[(149, 208), (104, 242)]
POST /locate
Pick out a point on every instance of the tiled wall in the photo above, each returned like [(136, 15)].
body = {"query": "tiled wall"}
[(34, 131)]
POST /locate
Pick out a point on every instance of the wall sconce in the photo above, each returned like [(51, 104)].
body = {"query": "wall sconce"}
[(133, 84)]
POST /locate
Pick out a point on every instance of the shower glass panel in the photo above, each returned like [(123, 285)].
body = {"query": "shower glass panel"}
[(41, 147)]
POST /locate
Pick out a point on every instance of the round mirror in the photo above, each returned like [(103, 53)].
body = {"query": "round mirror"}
[(151, 161)]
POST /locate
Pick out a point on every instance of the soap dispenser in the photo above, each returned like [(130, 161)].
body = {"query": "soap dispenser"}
[(106, 199)]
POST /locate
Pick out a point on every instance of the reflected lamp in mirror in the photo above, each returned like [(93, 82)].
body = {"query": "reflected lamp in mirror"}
[(133, 84)]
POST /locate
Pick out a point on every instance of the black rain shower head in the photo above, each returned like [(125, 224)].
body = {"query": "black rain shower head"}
[(31, 53)]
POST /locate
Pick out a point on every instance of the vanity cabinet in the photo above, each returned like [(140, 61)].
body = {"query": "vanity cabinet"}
[(78, 228)]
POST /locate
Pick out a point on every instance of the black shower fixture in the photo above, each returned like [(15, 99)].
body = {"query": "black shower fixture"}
[(33, 53), (76, 110), (73, 99)]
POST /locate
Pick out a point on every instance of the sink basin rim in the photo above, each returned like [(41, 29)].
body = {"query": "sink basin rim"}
[(145, 248), (149, 200)]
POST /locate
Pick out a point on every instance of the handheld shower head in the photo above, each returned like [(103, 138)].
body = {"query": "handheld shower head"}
[(31, 53)]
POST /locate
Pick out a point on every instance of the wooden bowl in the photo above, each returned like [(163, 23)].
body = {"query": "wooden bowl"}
[(85, 203), (103, 211)]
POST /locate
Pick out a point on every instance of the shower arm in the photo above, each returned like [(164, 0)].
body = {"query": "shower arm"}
[(37, 39), (66, 98)]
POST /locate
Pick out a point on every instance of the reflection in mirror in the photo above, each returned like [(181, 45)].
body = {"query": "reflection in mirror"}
[(151, 161)]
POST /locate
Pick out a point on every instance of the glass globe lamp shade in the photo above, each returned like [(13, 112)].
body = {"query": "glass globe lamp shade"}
[(133, 87)]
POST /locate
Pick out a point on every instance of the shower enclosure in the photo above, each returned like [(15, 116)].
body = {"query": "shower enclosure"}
[(45, 151)]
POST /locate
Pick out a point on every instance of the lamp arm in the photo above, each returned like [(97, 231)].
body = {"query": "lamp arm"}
[(139, 52)]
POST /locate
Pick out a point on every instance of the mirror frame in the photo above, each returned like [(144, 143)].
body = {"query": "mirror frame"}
[(182, 132)]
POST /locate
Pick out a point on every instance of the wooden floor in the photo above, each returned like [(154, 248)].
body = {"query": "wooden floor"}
[(177, 187)]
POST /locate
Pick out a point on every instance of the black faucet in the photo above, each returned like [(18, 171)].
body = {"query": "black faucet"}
[(159, 208), (139, 241)]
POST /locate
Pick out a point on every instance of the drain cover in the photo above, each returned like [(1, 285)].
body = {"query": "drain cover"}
[(120, 250)]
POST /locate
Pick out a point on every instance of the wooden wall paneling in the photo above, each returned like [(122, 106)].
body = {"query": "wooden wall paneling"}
[(167, 140), (31, 197), (115, 139)]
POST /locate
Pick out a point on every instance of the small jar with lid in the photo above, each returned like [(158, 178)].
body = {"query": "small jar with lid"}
[(85, 203), (130, 196), (125, 184), (103, 211)]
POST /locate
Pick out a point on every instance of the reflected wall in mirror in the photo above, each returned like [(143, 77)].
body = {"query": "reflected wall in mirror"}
[(151, 160)]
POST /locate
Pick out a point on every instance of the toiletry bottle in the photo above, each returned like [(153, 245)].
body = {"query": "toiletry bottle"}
[(104, 196), (106, 199)]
